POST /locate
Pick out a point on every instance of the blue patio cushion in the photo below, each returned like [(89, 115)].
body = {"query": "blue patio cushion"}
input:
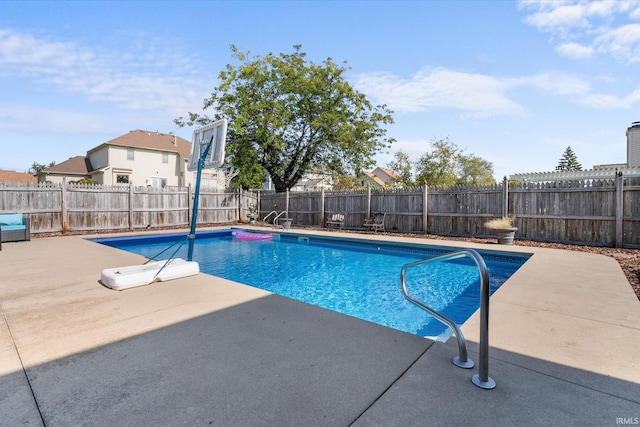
[(12, 227), (12, 221)]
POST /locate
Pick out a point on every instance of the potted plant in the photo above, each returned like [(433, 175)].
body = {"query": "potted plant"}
[(503, 229)]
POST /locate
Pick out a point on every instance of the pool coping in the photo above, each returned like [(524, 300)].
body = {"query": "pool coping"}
[(564, 335)]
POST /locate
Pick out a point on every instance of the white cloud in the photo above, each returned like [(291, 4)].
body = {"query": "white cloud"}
[(557, 16), (27, 119), (156, 78), (482, 96), (475, 94), (575, 50), (32, 55), (622, 43), (582, 28), (603, 101), (557, 84)]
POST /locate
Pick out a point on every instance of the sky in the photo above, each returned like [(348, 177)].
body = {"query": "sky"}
[(513, 82)]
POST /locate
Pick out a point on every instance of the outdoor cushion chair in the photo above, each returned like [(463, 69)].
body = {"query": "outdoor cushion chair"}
[(14, 228), (376, 222), (336, 220)]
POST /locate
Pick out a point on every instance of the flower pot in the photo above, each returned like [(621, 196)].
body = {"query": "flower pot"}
[(286, 223), (505, 235)]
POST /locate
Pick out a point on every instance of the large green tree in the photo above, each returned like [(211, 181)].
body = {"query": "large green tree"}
[(289, 114), (402, 166), (569, 161), (445, 164), (438, 167), (474, 170)]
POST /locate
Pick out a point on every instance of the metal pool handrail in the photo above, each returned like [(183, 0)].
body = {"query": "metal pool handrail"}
[(482, 379), (277, 215)]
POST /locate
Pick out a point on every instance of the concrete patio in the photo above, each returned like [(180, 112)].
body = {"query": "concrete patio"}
[(564, 350)]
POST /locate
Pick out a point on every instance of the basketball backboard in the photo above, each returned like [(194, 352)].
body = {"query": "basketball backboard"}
[(201, 138)]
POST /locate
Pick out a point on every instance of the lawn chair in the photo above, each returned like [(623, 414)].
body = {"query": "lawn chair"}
[(376, 222)]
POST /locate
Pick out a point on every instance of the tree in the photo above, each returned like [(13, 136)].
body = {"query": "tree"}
[(569, 161), (474, 170), (445, 164), (345, 182), (402, 166), (439, 166), (251, 174), (288, 114), (36, 167)]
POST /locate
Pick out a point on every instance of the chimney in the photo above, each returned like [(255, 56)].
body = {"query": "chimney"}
[(633, 145)]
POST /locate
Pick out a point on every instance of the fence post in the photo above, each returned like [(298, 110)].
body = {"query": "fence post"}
[(425, 193), (240, 218), (189, 206), (321, 219), (286, 202), (368, 200), (64, 214), (505, 197), (130, 207), (619, 209)]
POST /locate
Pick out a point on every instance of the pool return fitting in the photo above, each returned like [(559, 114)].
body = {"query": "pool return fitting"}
[(481, 379)]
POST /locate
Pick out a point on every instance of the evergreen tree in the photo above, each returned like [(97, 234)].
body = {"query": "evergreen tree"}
[(569, 162)]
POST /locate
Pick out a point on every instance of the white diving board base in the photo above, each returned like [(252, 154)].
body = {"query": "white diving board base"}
[(120, 278)]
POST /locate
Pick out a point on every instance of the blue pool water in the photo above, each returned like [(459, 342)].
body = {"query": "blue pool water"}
[(354, 277)]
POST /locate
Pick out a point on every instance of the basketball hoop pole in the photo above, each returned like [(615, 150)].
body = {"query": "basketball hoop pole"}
[(194, 215)]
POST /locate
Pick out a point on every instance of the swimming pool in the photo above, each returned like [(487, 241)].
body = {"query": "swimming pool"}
[(357, 277)]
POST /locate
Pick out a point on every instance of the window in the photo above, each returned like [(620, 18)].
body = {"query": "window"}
[(122, 179), (130, 153), (158, 183), (165, 157)]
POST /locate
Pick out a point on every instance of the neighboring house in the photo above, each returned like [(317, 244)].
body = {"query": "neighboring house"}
[(74, 169), (141, 158), (380, 177), (13, 176), (311, 181)]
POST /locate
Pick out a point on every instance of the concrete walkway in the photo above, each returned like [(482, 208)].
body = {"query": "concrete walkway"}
[(564, 335)]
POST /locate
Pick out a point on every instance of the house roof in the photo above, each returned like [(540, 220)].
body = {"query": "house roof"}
[(151, 141), (78, 165), (13, 176), (388, 172), (375, 179)]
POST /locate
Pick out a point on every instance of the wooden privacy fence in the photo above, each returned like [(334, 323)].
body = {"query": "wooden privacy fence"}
[(603, 212), (71, 207)]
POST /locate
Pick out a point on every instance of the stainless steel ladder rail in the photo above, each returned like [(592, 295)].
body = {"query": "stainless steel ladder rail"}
[(268, 215), (481, 379), (275, 219)]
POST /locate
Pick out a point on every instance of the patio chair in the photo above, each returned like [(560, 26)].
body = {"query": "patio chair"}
[(14, 228), (335, 220), (376, 222)]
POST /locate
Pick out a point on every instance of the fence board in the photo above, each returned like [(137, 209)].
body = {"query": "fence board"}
[(582, 212), (58, 208)]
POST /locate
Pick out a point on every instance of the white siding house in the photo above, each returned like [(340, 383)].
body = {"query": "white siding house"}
[(140, 158)]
